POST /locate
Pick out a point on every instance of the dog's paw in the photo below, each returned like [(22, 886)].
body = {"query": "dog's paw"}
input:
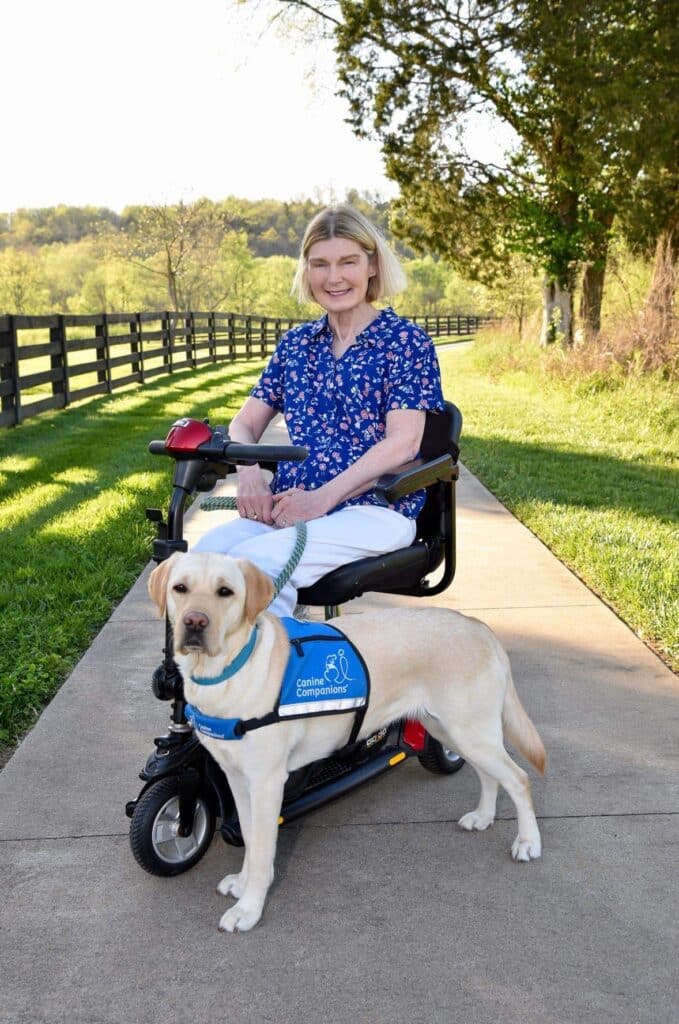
[(476, 822), (232, 885), (526, 849), (240, 918)]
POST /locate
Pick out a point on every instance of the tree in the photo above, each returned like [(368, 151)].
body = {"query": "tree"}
[(21, 284), (172, 243), (575, 81), (427, 280), (65, 267), (274, 277)]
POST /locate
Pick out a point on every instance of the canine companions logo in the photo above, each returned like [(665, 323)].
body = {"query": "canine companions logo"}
[(335, 678)]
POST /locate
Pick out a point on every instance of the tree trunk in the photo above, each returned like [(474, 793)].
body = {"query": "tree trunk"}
[(591, 298), (659, 305), (557, 313), (594, 274)]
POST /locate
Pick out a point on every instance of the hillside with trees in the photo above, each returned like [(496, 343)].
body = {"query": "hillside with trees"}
[(235, 254)]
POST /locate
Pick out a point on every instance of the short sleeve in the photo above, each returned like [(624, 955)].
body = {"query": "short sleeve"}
[(270, 387), (414, 374)]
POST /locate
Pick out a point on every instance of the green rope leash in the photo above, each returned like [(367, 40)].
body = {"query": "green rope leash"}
[(214, 504)]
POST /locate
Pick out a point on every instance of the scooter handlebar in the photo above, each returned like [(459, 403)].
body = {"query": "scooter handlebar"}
[(234, 451), (219, 449)]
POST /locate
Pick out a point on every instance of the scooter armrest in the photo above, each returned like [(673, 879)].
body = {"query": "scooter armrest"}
[(414, 477)]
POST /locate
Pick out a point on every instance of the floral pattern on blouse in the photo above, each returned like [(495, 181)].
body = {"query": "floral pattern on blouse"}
[(337, 408)]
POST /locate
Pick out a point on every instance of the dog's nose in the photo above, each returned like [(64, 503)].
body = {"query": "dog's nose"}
[(196, 621)]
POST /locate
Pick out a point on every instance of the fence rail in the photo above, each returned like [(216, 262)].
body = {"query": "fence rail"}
[(47, 362)]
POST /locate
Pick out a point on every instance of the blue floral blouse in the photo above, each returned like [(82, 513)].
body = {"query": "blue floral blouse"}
[(337, 408)]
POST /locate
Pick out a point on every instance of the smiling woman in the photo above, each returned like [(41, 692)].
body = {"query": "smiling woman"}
[(354, 387)]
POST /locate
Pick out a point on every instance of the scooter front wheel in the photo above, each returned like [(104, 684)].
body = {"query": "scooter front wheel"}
[(439, 759), (154, 832)]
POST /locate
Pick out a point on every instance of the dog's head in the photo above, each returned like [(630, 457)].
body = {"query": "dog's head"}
[(208, 597)]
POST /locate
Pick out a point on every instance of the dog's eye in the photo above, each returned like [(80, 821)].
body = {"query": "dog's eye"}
[(180, 588), (225, 592)]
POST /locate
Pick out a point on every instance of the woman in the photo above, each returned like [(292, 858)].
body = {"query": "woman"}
[(354, 388)]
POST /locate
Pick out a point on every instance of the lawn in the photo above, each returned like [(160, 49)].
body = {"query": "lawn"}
[(591, 467), (73, 489)]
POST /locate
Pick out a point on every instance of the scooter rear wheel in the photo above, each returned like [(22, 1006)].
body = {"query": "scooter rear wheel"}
[(439, 759), (154, 831)]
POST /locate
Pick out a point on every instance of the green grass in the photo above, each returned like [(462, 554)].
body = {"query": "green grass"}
[(73, 489), (589, 464)]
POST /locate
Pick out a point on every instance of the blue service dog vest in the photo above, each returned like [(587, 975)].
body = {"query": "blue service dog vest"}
[(325, 675)]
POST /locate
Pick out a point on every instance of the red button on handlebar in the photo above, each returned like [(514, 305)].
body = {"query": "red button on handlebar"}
[(187, 435)]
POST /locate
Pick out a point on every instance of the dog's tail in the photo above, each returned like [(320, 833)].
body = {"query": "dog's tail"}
[(519, 729)]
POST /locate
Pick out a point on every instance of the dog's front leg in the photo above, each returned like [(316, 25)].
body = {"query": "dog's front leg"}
[(266, 797), (234, 885)]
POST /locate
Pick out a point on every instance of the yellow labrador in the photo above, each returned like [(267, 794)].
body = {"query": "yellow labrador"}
[(436, 665)]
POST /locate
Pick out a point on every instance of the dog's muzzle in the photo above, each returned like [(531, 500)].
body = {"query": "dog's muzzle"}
[(195, 624)]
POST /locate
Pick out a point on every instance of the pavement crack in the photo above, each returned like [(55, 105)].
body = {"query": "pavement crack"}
[(362, 824)]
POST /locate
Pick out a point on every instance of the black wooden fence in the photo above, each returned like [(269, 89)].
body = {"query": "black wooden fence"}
[(47, 362)]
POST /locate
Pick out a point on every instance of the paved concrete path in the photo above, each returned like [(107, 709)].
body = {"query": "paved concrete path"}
[(383, 911)]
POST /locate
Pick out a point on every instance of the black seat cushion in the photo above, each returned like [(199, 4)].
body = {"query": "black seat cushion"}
[(404, 567)]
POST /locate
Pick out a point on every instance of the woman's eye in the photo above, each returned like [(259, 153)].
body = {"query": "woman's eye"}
[(224, 592), (180, 588)]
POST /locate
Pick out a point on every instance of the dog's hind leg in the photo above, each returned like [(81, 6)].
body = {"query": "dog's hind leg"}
[(234, 885), (266, 797), (484, 815), (496, 762)]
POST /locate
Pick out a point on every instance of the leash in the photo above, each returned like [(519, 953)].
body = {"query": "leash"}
[(214, 504)]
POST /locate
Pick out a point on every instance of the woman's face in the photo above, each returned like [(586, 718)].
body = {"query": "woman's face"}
[(339, 272)]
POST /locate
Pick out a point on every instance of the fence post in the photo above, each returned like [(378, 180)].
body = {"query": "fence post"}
[(212, 337), (9, 372), (248, 336), (136, 347), (230, 337), (103, 352), (166, 340), (190, 328), (58, 360)]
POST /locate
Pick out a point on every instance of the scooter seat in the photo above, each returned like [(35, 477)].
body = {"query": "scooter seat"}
[(395, 570)]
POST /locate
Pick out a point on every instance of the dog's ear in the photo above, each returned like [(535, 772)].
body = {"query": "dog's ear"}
[(158, 583), (258, 589)]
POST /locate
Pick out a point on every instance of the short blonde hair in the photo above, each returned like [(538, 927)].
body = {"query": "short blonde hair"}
[(346, 222)]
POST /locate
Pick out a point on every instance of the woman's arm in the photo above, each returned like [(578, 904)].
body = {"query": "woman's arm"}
[(254, 498), (401, 443)]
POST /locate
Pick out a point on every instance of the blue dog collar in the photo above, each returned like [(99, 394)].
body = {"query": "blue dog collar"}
[(233, 667), (217, 728)]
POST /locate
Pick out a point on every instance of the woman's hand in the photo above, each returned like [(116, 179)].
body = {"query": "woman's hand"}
[(297, 505), (254, 498)]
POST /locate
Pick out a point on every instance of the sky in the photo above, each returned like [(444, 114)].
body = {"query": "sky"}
[(152, 101)]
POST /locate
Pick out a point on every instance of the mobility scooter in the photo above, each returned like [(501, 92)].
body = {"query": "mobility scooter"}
[(184, 791)]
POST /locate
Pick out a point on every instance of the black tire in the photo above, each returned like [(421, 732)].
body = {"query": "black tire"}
[(155, 845), (439, 759)]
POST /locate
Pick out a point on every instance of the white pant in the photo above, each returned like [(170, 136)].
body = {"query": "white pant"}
[(357, 531)]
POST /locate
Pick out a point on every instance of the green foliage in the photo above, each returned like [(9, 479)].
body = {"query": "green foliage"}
[(593, 473), (578, 82), (51, 224), (21, 286)]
